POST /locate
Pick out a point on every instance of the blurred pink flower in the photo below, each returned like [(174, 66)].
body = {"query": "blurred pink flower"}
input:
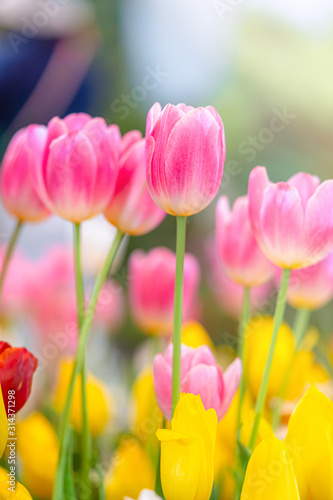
[(110, 308), (200, 375), (293, 220), (80, 166), (151, 289), (185, 154), (131, 208), (241, 258), (17, 283), (228, 294), (311, 287), (18, 188)]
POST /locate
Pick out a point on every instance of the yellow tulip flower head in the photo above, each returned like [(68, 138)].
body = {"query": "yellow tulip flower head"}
[(270, 474), (131, 471), (19, 493), (258, 338), (195, 335), (146, 417), (310, 440), (98, 400), (187, 451), (38, 448)]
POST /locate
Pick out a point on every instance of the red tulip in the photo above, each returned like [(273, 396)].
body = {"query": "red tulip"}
[(17, 366)]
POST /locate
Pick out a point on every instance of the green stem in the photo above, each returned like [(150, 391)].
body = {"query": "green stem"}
[(78, 363), (178, 310), (8, 256), (278, 318), (86, 443), (300, 328), (246, 315)]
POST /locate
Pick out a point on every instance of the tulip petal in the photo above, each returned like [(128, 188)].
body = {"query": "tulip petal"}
[(231, 379), (310, 440), (258, 183), (163, 384), (270, 474), (305, 184), (72, 159), (180, 468), (282, 224), (193, 162), (319, 223), (156, 144)]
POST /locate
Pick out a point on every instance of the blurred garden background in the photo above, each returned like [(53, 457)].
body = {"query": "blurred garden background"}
[(266, 66)]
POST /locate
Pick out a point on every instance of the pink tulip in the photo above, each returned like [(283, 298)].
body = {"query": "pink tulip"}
[(18, 189), (199, 375), (228, 294), (311, 287), (185, 153), (131, 208), (80, 166), (151, 289), (292, 221), (109, 311), (17, 283), (241, 258)]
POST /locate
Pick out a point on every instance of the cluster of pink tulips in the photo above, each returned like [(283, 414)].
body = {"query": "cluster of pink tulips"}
[(278, 235)]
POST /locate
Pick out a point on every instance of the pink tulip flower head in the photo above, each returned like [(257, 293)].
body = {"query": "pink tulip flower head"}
[(312, 287), (293, 220), (200, 375), (228, 294), (152, 285), (131, 208), (18, 188), (185, 154), (240, 255), (80, 165)]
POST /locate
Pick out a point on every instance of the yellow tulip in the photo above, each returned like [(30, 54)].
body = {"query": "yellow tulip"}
[(305, 371), (187, 451), (18, 493), (257, 343), (270, 474), (146, 416), (224, 460), (310, 440), (3, 425), (98, 400), (38, 448), (195, 335), (131, 471)]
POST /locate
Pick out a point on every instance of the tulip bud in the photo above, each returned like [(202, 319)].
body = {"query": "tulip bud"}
[(152, 299), (187, 451), (80, 166), (185, 154), (200, 375), (131, 208), (310, 441), (24, 154), (98, 400), (17, 366), (129, 458), (292, 220), (270, 474), (38, 448), (240, 256)]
